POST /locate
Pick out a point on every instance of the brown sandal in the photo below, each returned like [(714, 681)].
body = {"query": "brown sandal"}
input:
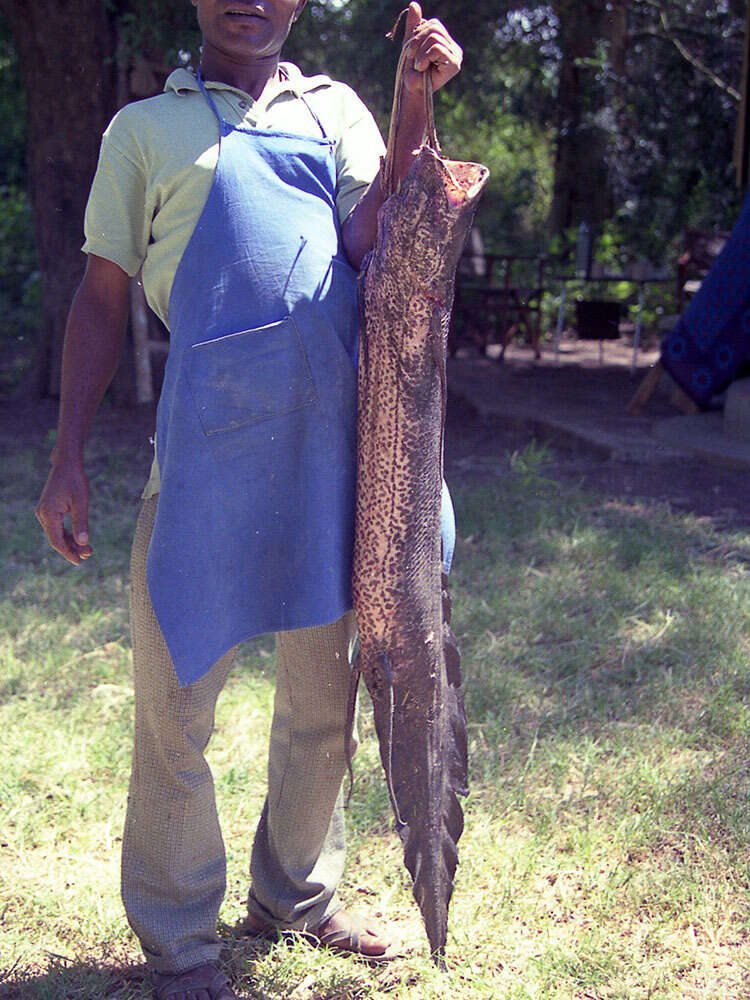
[(346, 938), (204, 978), (349, 937)]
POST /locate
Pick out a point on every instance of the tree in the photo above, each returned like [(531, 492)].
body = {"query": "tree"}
[(628, 103), (70, 92), (72, 53), (672, 161), (582, 188)]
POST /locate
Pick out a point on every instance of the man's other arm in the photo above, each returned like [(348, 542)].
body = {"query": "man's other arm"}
[(94, 340)]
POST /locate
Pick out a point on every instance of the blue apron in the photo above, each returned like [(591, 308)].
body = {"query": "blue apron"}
[(256, 424)]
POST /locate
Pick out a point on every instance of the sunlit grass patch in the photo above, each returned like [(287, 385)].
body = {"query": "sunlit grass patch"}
[(605, 653)]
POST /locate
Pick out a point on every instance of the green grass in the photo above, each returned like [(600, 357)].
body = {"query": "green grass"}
[(605, 651)]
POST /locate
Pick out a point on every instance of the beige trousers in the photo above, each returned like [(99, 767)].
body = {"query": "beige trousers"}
[(173, 864)]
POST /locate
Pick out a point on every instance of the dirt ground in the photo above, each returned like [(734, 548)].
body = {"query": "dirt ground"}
[(578, 381), (479, 447), (476, 447)]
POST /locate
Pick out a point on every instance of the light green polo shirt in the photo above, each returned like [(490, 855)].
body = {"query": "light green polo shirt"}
[(158, 158)]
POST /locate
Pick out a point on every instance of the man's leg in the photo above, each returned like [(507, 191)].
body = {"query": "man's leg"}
[(173, 862), (299, 850)]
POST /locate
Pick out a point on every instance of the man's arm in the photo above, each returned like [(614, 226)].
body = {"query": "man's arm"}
[(434, 49), (93, 345)]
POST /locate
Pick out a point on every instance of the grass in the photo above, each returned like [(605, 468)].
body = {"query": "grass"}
[(605, 651)]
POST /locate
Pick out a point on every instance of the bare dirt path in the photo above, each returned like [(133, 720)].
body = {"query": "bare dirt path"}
[(479, 447), (496, 409)]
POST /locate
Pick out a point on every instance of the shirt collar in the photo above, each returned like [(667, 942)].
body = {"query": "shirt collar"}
[(183, 81)]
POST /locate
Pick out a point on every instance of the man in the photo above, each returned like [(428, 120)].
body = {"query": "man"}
[(246, 193)]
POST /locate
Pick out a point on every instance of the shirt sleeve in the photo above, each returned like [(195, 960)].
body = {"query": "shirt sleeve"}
[(358, 151), (116, 224)]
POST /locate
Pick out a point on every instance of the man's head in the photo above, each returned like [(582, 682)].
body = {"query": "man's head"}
[(246, 30)]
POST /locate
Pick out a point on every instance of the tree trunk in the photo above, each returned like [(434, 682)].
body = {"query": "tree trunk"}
[(582, 189), (71, 95)]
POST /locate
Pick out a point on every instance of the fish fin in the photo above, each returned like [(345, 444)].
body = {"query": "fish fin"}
[(430, 849), (351, 709), (446, 599), (457, 749), (426, 769), (458, 752), (438, 351), (433, 873), (388, 762)]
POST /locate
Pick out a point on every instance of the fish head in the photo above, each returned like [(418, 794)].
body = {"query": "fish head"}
[(434, 211), (460, 181)]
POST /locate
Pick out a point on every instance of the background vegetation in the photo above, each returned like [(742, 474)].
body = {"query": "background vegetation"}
[(620, 113)]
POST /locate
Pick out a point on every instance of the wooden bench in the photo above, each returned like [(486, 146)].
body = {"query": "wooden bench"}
[(495, 300)]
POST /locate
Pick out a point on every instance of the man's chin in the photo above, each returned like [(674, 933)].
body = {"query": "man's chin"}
[(241, 50)]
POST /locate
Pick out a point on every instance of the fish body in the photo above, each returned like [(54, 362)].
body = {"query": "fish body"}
[(408, 654)]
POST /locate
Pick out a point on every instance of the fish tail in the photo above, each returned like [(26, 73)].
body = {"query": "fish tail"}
[(433, 872)]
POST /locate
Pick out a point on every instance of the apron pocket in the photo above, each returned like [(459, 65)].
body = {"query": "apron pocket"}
[(248, 377)]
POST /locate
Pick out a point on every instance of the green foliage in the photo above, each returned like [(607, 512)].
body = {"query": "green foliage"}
[(20, 286), (12, 112), (167, 31), (496, 111), (670, 129), (20, 289), (17, 255), (672, 152), (513, 211)]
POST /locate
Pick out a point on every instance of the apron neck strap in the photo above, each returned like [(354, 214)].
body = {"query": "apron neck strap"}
[(210, 99), (285, 76), (223, 122)]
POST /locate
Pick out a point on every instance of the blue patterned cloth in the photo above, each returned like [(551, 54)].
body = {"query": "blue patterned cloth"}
[(712, 337)]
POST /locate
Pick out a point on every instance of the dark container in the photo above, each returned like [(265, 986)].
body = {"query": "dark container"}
[(598, 319)]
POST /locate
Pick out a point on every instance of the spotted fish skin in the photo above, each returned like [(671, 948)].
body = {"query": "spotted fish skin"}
[(408, 654)]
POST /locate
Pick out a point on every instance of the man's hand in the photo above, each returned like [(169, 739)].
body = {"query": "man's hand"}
[(66, 493), (93, 345), (430, 48)]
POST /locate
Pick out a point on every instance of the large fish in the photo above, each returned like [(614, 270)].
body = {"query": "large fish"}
[(408, 654)]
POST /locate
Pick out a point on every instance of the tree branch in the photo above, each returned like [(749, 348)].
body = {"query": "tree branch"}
[(668, 35)]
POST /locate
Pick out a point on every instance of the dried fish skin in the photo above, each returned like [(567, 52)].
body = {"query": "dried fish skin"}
[(406, 294), (408, 654)]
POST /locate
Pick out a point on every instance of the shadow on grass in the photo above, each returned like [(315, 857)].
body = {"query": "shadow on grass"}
[(259, 969), (64, 979), (600, 607), (595, 631)]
